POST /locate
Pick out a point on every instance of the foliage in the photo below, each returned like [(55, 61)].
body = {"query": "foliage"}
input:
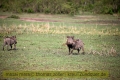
[(61, 6)]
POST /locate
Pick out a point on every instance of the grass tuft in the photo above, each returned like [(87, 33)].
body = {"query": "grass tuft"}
[(14, 16)]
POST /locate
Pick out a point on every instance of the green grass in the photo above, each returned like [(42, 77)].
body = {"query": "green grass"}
[(40, 44)]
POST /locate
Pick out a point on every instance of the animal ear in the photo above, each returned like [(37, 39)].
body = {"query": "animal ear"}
[(77, 39), (15, 36), (72, 37), (68, 36)]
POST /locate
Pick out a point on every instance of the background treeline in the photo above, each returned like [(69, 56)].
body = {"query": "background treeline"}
[(61, 6)]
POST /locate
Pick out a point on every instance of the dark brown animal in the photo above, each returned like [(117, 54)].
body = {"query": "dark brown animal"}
[(9, 41), (73, 44), (69, 43)]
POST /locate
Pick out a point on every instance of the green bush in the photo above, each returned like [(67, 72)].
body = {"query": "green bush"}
[(107, 10), (30, 11), (61, 6), (46, 11)]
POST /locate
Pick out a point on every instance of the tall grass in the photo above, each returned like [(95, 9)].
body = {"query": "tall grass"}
[(47, 28), (52, 29)]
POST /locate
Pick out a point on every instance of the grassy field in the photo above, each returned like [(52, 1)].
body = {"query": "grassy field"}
[(41, 46)]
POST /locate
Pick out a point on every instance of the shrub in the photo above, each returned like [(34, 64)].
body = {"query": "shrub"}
[(30, 10)]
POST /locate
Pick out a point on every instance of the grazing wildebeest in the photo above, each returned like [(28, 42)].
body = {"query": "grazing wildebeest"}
[(9, 41), (74, 44)]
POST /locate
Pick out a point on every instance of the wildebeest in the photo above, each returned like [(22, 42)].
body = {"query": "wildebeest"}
[(9, 41), (74, 44)]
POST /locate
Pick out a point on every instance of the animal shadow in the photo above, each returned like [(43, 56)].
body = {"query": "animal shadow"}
[(12, 49), (78, 53), (75, 54)]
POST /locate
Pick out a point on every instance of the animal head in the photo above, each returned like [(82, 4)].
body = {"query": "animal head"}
[(70, 39), (14, 38)]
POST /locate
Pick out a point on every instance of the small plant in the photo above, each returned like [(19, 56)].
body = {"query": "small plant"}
[(30, 11), (14, 16)]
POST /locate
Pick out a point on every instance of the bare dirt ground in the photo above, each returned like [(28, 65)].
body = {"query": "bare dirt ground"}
[(97, 20), (82, 19), (38, 20), (3, 17), (103, 22)]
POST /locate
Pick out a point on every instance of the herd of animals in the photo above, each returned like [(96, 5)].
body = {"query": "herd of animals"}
[(72, 44)]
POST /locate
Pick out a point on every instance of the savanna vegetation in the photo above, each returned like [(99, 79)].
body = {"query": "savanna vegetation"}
[(41, 40), (41, 37), (61, 6)]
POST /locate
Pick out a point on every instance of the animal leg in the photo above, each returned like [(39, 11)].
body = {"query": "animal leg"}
[(72, 51), (3, 47), (83, 49), (14, 46), (69, 51), (8, 44), (78, 50), (11, 46), (8, 47)]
